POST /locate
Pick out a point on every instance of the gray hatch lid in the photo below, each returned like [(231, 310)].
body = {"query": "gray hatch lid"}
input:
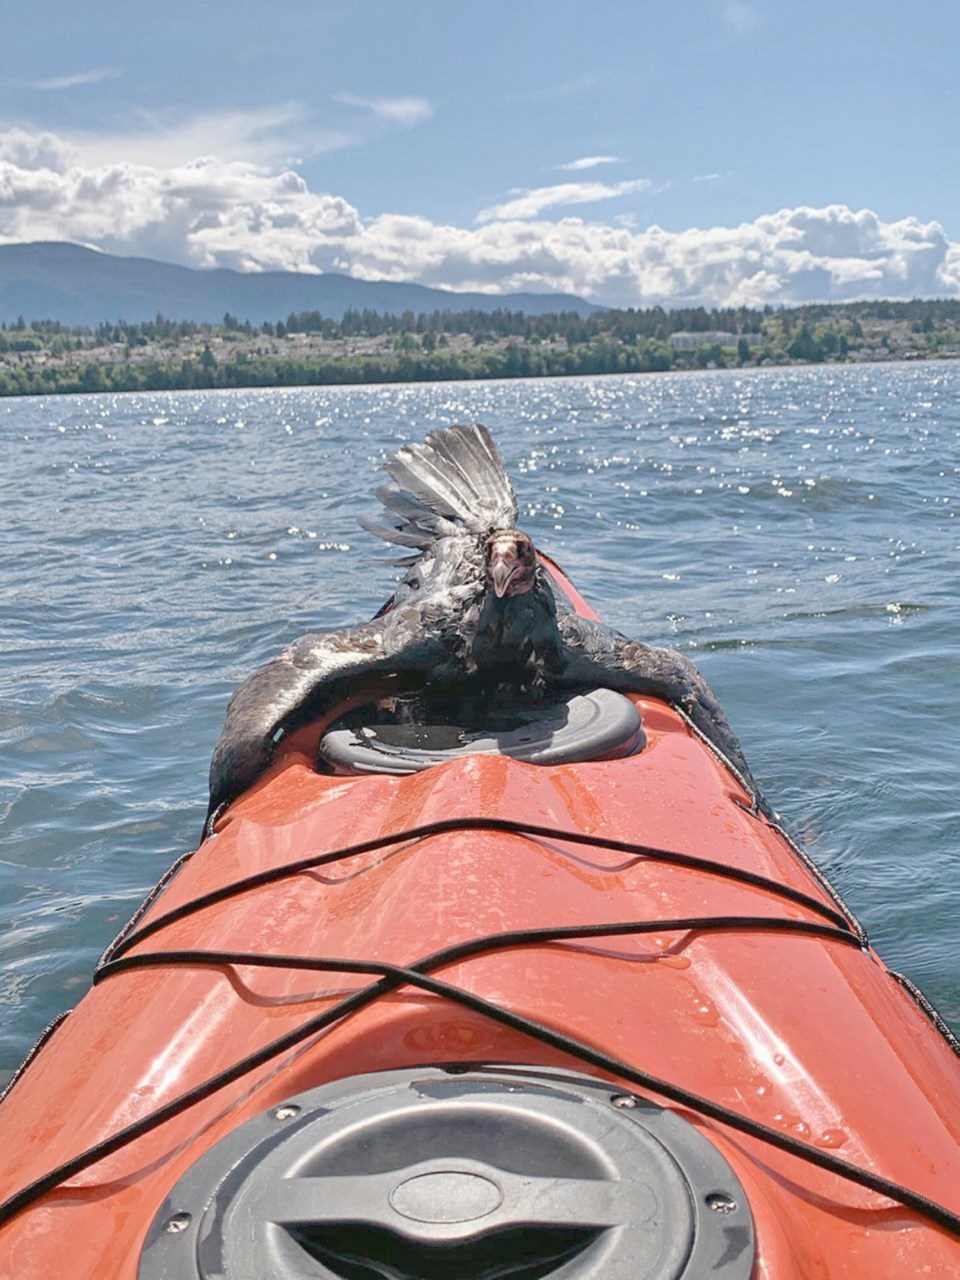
[(473, 1173)]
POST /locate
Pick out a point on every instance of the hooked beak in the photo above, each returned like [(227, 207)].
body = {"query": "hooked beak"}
[(501, 572)]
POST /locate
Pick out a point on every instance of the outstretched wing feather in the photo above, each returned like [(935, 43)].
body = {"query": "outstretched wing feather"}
[(415, 468), (406, 506), (596, 654), (470, 452), (405, 535), (293, 685), (454, 477)]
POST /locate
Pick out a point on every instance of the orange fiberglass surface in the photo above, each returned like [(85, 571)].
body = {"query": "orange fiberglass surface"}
[(621, 988)]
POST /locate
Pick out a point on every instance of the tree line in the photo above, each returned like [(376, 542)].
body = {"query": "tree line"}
[(626, 325), (47, 356), (206, 372)]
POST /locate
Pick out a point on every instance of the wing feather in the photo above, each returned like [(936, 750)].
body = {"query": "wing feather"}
[(299, 683), (595, 654), (455, 477)]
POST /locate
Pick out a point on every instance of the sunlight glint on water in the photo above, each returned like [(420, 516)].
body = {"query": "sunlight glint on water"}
[(794, 529)]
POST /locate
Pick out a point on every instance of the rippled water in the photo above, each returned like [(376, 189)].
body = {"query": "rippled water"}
[(794, 528)]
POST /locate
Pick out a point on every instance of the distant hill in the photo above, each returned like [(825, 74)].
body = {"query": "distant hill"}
[(56, 281)]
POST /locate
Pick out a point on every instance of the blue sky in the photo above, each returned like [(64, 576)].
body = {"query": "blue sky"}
[(700, 150)]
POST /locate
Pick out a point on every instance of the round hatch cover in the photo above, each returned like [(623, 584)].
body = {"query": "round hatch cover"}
[(594, 725), (477, 1174)]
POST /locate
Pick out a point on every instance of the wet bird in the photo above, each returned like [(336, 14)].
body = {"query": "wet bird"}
[(476, 605)]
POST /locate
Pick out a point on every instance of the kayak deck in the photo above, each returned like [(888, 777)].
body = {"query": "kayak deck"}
[(794, 1025)]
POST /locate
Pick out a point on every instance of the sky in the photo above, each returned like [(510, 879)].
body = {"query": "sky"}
[(633, 152)]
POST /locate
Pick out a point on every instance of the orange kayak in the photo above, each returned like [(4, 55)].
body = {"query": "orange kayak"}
[(490, 1017)]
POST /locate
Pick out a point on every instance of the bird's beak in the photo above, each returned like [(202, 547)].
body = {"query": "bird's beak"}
[(501, 571)]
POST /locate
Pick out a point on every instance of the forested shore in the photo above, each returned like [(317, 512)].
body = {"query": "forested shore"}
[(45, 357)]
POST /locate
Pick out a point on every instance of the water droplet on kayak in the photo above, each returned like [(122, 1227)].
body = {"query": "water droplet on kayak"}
[(779, 1059), (706, 1015), (675, 962), (832, 1138), (792, 1122)]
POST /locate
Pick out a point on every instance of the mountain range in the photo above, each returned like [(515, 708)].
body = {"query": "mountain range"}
[(80, 286)]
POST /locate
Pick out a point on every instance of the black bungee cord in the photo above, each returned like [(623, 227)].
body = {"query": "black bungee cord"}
[(132, 935), (391, 977)]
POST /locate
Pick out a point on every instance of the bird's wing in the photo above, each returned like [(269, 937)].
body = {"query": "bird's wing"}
[(454, 479), (595, 654), (301, 683)]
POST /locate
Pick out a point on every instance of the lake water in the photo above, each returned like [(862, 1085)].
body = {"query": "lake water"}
[(794, 530)]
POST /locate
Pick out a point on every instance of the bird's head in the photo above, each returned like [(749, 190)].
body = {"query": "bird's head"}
[(510, 562)]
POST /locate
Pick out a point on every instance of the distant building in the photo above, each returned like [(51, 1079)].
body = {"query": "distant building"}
[(711, 337)]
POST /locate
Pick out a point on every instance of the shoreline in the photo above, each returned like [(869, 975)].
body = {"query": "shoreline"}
[(374, 371), (46, 357)]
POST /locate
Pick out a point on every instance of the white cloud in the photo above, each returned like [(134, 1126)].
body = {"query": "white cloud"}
[(23, 150), (949, 272), (589, 162), (265, 135), (231, 213), (274, 136), (529, 203), (78, 78), (402, 111)]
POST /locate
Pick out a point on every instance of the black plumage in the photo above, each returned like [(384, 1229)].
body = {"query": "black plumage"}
[(475, 606)]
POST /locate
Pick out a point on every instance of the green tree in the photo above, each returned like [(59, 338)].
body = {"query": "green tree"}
[(828, 342), (91, 379), (804, 346)]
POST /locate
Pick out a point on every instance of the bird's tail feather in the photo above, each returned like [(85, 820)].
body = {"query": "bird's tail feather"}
[(454, 477)]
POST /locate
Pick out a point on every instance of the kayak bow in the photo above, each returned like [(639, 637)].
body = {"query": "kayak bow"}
[(464, 1013)]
